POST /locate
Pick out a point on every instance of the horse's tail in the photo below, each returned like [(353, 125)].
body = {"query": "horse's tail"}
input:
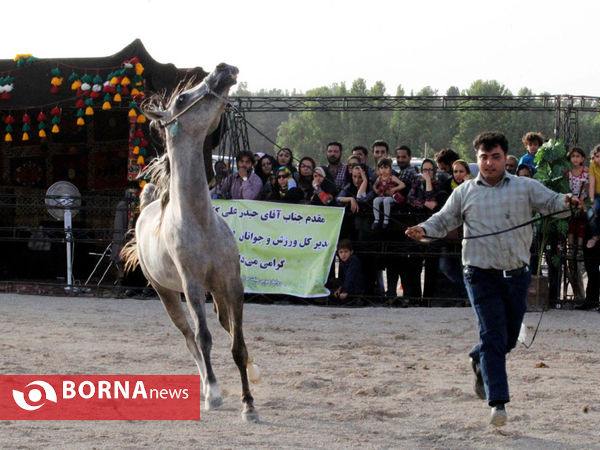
[(129, 253)]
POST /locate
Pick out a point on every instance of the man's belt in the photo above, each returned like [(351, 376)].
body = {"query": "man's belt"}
[(505, 273)]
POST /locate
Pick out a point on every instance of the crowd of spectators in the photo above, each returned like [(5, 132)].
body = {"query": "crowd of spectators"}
[(382, 199)]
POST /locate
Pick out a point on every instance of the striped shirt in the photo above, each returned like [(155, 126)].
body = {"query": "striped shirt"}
[(482, 208)]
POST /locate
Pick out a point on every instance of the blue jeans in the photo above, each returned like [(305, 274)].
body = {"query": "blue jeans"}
[(500, 304)]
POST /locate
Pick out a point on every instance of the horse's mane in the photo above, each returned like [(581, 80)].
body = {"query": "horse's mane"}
[(158, 172)]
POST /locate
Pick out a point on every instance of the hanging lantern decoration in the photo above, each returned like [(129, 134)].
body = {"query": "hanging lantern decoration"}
[(26, 127), (125, 82), (24, 58), (114, 79), (89, 110), (108, 88), (139, 68), (55, 113), (6, 87), (75, 81), (117, 96), (80, 119), (133, 108), (56, 81), (106, 104), (8, 120), (42, 118), (96, 86), (141, 118), (86, 84)]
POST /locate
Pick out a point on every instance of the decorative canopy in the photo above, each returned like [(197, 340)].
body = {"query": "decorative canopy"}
[(36, 83)]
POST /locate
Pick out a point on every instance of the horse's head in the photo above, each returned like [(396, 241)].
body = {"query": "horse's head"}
[(197, 110)]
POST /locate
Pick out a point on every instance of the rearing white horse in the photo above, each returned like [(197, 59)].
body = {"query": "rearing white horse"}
[(181, 244)]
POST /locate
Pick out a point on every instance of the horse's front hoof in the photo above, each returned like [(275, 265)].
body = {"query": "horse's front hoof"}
[(213, 403), (250, 415)]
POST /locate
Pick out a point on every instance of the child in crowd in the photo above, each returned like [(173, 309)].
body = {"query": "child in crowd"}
[(578, 178), (525, 171), (594, 211), (532, 142), (387, 187), (350, 273)]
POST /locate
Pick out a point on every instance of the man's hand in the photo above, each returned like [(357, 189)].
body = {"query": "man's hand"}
[(416, 233), (571, 200), (354, 205)]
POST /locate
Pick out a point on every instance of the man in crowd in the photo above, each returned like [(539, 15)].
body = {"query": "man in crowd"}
[(243, 184), (336, 169), (512, 162), (380, 150), (496, 274), (363, 154)]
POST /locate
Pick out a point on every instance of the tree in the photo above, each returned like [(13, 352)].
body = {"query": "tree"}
[(472, 123), (308, 132), (418, 128)]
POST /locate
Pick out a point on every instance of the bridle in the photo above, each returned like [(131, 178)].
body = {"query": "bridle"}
[(173, 120)]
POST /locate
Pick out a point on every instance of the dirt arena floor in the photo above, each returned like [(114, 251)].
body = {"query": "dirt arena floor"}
[(332, 377)]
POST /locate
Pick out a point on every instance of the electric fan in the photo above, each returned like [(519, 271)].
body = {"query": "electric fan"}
[(63, 201)]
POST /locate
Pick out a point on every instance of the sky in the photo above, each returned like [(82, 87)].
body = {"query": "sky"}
[(547, 46)]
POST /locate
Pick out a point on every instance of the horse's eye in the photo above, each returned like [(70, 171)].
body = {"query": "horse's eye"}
[(181, 99)]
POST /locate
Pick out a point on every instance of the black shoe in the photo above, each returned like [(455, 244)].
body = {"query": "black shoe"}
[(375, 226), (478, 384), (384, 226)]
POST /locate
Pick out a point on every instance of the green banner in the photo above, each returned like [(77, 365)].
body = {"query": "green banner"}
[(284, 248)]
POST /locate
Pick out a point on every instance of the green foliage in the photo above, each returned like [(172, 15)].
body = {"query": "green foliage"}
[(552, 163)]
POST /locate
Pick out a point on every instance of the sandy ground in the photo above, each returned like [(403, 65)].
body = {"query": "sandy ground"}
[(332, 377)]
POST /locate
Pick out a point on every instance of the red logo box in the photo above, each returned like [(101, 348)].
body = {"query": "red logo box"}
[(99, 397)]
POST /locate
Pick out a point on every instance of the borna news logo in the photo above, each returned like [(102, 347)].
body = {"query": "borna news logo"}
[(35, 396), (99, 397)]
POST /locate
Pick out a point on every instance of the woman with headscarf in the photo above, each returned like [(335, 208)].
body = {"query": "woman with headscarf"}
[(425, 193), (356, 197), (283, 192), (285, 157), (306, 169), (324, 189)]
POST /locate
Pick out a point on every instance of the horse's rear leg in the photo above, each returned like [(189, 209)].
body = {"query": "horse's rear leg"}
[(196, 301), (172, 303), (230, 312)]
